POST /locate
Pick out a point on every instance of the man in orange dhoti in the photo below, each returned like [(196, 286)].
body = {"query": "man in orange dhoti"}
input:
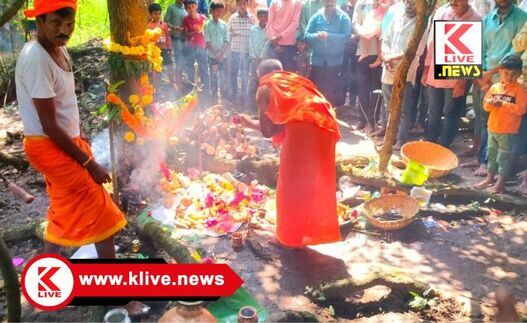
[(298, 116), (80, 210)]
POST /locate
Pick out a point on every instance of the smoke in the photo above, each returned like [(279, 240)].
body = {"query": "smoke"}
[(147, 158), (100, 146)]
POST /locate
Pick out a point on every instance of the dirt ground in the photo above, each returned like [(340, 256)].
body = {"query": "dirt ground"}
[(463, 259)]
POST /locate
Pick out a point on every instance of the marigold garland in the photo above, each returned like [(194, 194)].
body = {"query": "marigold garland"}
[(163, 123), (143, 46)]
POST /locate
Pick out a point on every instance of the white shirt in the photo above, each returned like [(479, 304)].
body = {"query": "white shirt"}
[(39, 77), (394, 44)]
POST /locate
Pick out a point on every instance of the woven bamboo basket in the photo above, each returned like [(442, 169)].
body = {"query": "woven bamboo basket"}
[(406, 205), (439, 160)]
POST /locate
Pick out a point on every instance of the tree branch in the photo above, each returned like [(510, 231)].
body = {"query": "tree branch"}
[(10, 11)]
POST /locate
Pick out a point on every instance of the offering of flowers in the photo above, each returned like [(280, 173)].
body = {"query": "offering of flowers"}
[(216, 203), (220, 203)]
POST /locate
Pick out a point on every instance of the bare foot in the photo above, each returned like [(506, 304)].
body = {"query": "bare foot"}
[(377, 62), (481, 171), (496, 189), (488, 182), (470, 164), (506, 310), (369, 129), (361, 58)]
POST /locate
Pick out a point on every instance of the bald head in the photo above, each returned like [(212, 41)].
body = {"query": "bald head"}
[(268, 66)]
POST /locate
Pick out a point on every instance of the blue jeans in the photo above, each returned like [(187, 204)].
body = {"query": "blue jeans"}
[(441, 102), (406, 112), (178, 48), (240, 62), (218, 71), (198, 55)]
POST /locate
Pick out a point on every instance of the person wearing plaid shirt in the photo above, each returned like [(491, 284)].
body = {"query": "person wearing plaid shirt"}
[(240, 25)]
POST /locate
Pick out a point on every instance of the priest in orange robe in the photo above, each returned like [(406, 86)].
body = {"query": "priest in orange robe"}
[(303, 122)]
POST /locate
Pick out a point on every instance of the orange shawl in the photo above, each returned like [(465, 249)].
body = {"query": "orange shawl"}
[(295, 98)]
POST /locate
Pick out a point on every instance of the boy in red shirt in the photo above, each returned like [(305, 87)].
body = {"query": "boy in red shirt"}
[(195, 51), (505, 102), (164, 42)]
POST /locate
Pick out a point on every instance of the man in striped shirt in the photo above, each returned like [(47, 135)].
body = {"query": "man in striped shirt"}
[(240, 25)]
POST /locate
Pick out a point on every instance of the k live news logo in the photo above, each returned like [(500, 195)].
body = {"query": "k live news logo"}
[(458, 49), (47, 282)]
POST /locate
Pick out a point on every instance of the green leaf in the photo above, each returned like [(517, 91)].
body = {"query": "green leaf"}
[(112, 114), (115, 86), (418, 303), (331, 310), (103, 108), (414, 294)]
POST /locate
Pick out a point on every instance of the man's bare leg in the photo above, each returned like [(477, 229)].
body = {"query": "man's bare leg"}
[(51, 248), (106, 248), (499, 186), (481, 171), (487, 182)]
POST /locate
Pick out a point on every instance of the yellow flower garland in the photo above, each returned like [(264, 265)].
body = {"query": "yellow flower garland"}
[(144, 46)]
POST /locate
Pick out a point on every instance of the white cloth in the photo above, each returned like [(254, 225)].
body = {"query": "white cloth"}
[(39, 77), (394, 44), (362, 9), (483, 7)]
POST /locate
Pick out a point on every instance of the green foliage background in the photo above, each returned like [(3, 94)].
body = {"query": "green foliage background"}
[(92, 21)]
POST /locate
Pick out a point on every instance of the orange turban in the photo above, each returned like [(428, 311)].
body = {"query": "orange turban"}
[(41, 7)]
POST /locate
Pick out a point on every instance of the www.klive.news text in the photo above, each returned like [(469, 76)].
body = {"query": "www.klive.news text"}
[(51, 282)]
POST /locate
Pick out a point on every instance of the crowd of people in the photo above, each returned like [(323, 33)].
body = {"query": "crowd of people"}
[(350, 50)]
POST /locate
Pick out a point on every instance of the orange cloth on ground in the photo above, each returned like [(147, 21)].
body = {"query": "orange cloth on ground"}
[(506, 118), (306, 190), (80, 211)]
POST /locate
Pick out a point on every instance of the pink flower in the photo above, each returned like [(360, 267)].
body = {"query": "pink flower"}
[(257, 195), (238, 198), (193, 172), (211, 222), (209, 200)]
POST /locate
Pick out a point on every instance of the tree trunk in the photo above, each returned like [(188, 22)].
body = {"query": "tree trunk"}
[(423, 10), (10, 11), (128, 19), (12, 286)]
